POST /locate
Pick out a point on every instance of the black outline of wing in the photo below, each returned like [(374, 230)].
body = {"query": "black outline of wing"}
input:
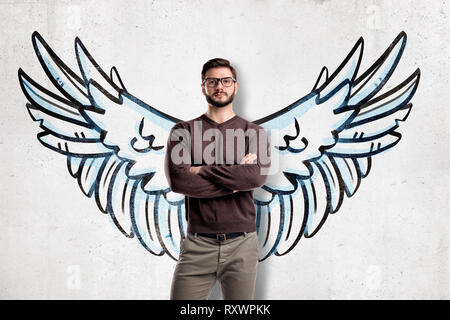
[(340, 166), (97, 167)]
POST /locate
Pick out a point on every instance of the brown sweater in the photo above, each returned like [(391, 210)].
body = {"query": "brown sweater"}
[(211, 204)]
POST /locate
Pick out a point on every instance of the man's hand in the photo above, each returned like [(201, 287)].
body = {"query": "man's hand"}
[(195, 170), (249, 158)]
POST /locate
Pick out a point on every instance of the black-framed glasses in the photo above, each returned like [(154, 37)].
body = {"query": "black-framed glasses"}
[(212, 82)]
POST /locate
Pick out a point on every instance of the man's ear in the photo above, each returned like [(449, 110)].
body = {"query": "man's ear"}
[(203, 89), (236, 86)]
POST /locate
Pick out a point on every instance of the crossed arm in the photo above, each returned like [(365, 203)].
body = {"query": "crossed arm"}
[(226, 176), (211, 180)]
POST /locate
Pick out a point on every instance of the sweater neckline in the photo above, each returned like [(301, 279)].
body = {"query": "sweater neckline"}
[(205, 117)]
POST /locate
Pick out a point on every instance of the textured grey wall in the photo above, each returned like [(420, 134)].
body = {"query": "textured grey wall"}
[(390, 241)]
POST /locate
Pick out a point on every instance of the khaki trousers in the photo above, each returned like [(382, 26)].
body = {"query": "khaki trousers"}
[(203, 260)]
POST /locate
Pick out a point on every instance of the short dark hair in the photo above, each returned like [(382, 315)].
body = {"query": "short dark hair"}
[(217, 62)]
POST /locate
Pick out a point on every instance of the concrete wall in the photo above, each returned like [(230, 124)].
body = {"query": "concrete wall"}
[(390, 241)]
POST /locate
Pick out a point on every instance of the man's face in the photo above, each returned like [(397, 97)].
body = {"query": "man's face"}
[(219, 96)]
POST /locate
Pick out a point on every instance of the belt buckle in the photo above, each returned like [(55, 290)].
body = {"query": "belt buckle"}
[(221, 236)]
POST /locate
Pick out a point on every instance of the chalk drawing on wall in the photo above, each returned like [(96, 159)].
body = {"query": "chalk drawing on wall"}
[(115, 145)]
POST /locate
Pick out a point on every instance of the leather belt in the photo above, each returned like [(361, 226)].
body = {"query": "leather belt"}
[(221, 236)]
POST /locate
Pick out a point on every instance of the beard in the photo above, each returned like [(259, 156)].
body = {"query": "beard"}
[(219, 104)]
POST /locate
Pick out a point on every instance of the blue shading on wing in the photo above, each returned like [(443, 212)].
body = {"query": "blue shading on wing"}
[(323, 145), (114, 144)]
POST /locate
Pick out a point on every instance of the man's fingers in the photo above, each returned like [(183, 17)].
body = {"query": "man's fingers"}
[(249, 157), (244, 159)]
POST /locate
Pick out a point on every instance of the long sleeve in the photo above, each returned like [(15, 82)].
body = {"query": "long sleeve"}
[(180, 179), (242, 177)]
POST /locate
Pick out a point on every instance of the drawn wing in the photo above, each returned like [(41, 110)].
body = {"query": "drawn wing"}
[(114, 143), (323, 145)]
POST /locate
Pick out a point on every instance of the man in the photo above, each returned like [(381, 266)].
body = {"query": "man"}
[(221, 243)]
